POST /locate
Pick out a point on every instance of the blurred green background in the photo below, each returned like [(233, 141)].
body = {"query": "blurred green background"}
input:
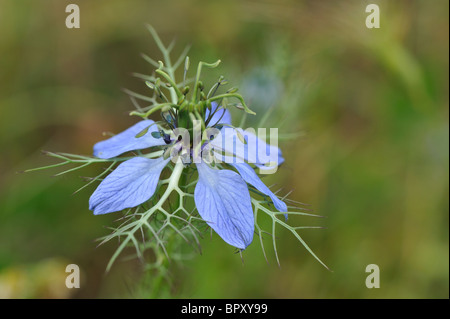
[(371, 106)]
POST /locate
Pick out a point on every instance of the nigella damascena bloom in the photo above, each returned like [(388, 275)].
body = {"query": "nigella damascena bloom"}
[(221, 196), (211, 166)]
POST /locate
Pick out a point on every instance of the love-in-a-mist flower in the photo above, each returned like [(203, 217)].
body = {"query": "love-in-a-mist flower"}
[(221, 196), (189, 168)]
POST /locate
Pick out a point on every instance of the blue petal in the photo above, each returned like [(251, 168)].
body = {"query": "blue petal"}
[(127, 140), (223, 201), (254, 151), (222, 116), (249, 175), (130, 184)]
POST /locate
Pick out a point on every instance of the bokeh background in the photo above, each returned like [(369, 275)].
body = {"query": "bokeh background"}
[(369, 109)]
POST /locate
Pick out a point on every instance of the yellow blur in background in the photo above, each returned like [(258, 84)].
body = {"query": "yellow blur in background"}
[(368, 109)]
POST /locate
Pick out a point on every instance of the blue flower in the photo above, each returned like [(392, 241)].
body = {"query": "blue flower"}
[(221, 196)]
